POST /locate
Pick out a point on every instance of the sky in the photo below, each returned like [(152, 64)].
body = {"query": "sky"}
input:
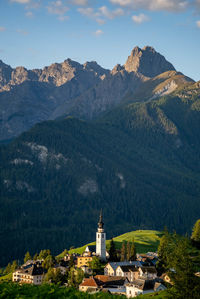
[(37, 33)]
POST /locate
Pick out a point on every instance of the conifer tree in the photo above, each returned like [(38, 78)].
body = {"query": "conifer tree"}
[(14, 266), (132, 251), (35, 257), (128, 251), (112, 252), (185, 283), (196, 234), (71, 261), (123, 252), (27, 257)]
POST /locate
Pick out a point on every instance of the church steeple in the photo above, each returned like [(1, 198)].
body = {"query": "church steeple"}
[(101, 239), (100, 223)]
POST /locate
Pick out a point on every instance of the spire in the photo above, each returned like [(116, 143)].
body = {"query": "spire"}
[(100, 223)]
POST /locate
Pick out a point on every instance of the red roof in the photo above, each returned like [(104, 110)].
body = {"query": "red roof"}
[(89, 282)]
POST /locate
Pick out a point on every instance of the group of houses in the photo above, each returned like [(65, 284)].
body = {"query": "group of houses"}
[(129, 278)]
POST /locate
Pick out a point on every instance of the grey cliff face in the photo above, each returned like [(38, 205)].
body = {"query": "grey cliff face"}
[(70, 88), (147, 62)]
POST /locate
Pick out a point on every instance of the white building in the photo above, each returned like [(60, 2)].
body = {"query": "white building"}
[(143, 286), (101, 240), (30, 274)]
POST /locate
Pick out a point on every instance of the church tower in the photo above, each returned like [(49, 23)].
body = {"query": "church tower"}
[(101, 239)]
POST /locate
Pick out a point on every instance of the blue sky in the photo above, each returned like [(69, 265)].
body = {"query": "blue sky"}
[(36, 33)]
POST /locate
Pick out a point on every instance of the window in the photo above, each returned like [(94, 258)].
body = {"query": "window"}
[(98, 236), (102, 236)]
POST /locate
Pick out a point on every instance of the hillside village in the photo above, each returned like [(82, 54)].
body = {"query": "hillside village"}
[(99, 270), (114, 271)]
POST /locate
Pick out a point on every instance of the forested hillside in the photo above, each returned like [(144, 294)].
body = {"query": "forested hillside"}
[(140, 163)]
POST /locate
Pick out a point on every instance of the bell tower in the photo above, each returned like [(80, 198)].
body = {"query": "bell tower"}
[(101, 239)]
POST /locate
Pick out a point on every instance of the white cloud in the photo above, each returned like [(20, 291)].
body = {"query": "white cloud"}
[(89, 12), (98, 32), (2, 29), (198, 23), (58, 8), (154, 5), (105, 12), (21, 1), (101, 13), (141, 18)]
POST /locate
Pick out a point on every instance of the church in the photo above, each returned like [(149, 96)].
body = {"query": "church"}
[(100, 249), (101, 239)]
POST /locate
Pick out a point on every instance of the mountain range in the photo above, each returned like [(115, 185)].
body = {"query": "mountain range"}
[(70, 88), (125, 140)]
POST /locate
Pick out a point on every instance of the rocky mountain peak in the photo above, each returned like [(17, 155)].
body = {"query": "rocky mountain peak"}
[(147, 61), (117, 68)]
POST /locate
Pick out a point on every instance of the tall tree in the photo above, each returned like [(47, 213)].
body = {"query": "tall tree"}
[(112, 252), (123, 252), (44, 253), (128, 251), (132, 251), (196, 234), (27, 257), (95, 264), (71, 261), (185, 283), (48, 262)]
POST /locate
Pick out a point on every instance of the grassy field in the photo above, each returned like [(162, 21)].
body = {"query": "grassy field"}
[(145, 240), (7, 277)]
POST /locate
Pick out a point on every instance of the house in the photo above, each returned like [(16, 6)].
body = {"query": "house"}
[(113, 284), (149, 259), (89, 284), (148, 272), (131, 272), (31, 274), (83, 261), (143, 286), (98, 283), (111, 267)]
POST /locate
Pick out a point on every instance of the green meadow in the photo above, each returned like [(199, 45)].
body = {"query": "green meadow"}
[(145, 240)]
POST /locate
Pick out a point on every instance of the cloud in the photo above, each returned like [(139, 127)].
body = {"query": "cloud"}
[(58, 8), (154, 5), (88, 12), (141, 18), (100, 14), (21, 1), (105, 12), (98, 32), (2, 29), (198, 23)]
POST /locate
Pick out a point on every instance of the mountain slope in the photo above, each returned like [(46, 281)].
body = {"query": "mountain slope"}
[(30, 96), (140, 163), (70, 88)]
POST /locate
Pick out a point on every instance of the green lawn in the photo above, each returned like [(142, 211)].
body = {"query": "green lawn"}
[(145, 240)]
